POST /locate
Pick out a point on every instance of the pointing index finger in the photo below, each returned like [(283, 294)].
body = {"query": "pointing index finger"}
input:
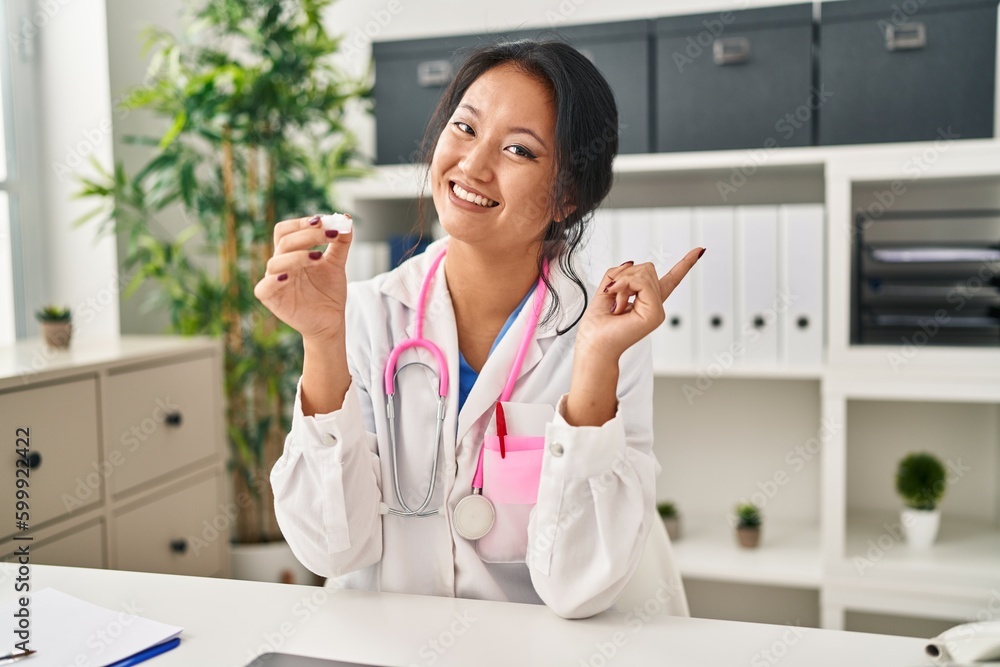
[(673, 277)]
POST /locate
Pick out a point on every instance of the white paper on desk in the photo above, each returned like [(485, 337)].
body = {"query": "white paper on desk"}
[(69, 631)]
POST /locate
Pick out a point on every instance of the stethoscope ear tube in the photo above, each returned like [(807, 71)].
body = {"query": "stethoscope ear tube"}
[(438, 433)]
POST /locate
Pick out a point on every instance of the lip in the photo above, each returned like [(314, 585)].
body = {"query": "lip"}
[(467, 205)]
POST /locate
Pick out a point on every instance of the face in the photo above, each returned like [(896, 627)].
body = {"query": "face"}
[(498, 150)]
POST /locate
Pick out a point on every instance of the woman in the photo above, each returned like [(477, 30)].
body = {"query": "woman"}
[(520, 147)]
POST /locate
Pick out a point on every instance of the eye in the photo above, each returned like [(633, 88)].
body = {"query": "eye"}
[(464, 127), (520, 151)]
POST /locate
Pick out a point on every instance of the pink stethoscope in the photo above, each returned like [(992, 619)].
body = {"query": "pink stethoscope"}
[(474, 515)]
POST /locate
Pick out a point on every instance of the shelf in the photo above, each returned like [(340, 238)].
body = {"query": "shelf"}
[(965, 557), (788, 555), (940, 383), (865, 162), (751, 372)]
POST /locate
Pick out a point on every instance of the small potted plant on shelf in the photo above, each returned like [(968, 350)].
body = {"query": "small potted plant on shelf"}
[(57, 326), (748, 527), (671, 519), (921, 482)]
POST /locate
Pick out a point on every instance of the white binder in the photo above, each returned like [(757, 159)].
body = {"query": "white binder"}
[(673, 342), (713, 303), (599, 252), (801, 281), (757, 304), (633, 240)]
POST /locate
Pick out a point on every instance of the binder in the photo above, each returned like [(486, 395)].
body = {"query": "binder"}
[(632, 240), (599, 252), (673, 342), (801, 283), (757, 305), (713, 302)]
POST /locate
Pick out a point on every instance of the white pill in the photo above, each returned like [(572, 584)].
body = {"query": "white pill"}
[(337, 221)]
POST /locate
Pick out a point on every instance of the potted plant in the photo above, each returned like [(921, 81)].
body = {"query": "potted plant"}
[(748, 526), (254, 106), (671, 519), (921, 482), (57, 326)]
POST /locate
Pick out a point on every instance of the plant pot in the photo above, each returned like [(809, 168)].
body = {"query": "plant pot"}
[(749, 537), (57, 334), (673, 525), (269, 561), (920, 527)]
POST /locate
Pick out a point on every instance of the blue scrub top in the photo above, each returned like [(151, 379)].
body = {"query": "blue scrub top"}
[(466, 375)]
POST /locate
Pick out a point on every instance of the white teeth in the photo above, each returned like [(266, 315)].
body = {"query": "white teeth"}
[(462, 193)]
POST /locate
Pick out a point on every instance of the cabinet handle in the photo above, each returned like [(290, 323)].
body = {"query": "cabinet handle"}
[(34, 460), (179, 545), (731, 50), (433, 73), (716, 321), (174, 419), (905, 37), (802, 322), (675, 321), (759, 322)]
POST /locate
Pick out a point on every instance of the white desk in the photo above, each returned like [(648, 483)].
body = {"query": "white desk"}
[(226, 623)]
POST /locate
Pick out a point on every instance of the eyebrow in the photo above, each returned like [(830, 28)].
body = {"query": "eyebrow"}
[(515, 130)]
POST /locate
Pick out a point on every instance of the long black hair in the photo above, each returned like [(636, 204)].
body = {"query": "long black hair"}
[(586, 137)]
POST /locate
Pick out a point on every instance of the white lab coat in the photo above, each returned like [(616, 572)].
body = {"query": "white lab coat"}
[(596, 499)]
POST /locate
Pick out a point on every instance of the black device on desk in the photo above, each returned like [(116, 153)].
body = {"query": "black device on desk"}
[(289, 660)]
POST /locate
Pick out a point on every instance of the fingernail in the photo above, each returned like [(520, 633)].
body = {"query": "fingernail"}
[(315, 254), (331, 233), (701, 253), (626, 262), (609, 285), (313, 220), (283, 276)]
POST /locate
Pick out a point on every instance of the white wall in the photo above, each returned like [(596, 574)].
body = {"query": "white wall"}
[(74, 117)]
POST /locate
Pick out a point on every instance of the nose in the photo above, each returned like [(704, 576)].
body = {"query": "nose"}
[(477, 161)]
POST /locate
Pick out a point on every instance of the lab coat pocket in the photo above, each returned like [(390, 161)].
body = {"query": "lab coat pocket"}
[(511, 484)]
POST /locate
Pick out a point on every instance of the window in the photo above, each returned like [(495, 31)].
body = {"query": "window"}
[(19, 277)]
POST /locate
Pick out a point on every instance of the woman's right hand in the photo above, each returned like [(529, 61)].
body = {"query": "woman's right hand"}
[(305, 288)]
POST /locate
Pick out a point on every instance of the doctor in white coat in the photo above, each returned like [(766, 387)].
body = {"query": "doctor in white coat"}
[(520, 152)]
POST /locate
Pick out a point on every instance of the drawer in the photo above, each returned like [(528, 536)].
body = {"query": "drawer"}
[(161, 420), (412, 74), (80, 548), (63, 439), (185, 532), (740, 79), (902, 73)]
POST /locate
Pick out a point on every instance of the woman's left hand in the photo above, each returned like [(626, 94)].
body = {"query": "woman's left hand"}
[(614, 320)]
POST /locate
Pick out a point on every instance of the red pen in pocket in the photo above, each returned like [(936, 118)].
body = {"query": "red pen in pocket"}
[(501, 429)]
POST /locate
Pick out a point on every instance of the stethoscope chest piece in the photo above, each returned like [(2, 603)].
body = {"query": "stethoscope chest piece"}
[(474, 516)]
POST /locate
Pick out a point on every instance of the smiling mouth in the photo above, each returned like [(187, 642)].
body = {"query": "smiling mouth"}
[(472, 198)]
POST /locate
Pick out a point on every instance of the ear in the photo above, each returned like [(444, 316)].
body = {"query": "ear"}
[(564, 212)]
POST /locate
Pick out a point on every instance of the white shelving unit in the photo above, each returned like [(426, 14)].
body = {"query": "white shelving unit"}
[(813, 531)]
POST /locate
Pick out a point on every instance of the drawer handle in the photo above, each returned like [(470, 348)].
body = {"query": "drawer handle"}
[(803, 322), (433, 73), (716, 321), (34, 461), (759, 322), (675, 321), (179, 546), (905, 37), (731, 50), (174, 419)]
